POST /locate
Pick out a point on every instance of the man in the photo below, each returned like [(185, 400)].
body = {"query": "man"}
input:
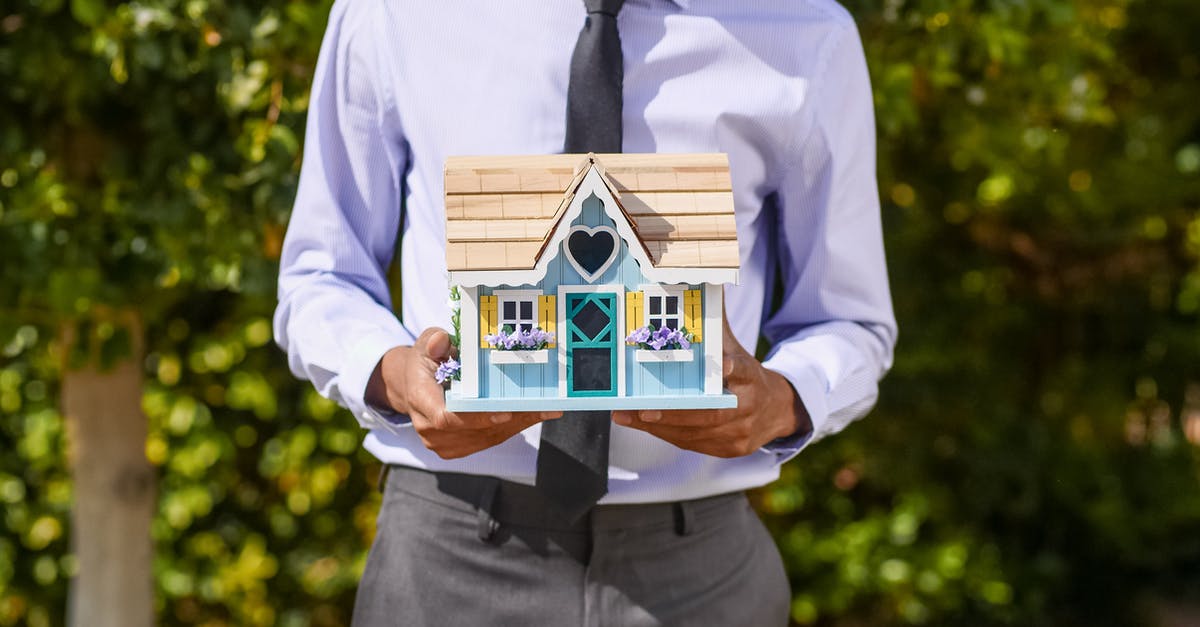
[(470, 532)]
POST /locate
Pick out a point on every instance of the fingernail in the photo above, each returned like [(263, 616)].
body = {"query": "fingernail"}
[(552, 415), (499, 418), (651, 415), (622, 418)]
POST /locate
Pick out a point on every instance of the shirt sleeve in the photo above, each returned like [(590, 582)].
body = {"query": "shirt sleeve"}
[(834, 334), (333, 317)]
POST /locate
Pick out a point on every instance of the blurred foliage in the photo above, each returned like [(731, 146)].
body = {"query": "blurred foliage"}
[(1033, 458)]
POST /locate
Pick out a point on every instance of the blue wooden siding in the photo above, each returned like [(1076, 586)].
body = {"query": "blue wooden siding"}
[(541, 380)]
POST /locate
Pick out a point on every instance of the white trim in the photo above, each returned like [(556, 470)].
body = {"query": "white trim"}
[(714, 334), (517, 293), (659, 289), (539, 356), (662, 291), (560, 326), (591, 277), (468, 348), (607, 288), (518, 296), (593, 183), (643, 355)]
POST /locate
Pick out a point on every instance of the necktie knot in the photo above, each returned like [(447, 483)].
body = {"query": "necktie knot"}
[(606, 7)]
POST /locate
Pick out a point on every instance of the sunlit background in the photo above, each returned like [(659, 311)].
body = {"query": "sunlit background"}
[(1033, 459)]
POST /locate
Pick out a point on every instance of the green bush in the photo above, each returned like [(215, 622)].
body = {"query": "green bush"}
[(1032, 459)]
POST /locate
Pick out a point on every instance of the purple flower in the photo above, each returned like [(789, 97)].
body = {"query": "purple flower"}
[(648, 337), (527, 339), (639, 336), (540, 337), (448, 370), (534, 338)]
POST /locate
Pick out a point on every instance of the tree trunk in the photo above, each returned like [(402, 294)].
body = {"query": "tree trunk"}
[(114, 494)]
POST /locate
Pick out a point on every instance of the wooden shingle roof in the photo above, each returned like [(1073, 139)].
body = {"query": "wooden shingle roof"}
[(500, 211)]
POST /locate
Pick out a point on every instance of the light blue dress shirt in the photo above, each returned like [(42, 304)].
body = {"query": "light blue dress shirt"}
[(782, 87)]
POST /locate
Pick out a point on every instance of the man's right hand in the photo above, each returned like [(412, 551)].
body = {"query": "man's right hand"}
[(404, 380)]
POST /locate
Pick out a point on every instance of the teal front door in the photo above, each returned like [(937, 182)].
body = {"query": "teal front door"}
[(592, 344)]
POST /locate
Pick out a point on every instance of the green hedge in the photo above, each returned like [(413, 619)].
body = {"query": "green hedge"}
[(1032, 460)]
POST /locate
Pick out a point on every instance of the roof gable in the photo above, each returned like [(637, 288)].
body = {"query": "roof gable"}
[(503, 213)]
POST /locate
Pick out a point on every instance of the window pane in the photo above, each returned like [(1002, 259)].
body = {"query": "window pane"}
[(510, 310), (672, 323), (525, 326), (656, 305), (672, 305), (527, 310)]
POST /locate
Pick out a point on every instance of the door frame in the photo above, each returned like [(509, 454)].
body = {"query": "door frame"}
[(561, 302)]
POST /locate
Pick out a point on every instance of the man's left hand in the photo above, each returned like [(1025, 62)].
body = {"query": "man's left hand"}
[(768, 408)]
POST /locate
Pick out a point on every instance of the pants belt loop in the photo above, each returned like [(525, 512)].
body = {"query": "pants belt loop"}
[(684, 518), (488, 525)]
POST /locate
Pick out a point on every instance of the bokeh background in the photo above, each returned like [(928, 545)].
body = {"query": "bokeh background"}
[(1034, 456)]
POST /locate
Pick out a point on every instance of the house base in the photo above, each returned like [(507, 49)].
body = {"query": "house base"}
[(456, 403)]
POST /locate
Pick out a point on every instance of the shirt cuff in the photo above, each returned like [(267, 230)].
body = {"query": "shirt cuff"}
[(808, 382), (788, 447), (356, 373)]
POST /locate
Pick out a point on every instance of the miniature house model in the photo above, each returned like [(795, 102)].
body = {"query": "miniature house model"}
[(590, 282)]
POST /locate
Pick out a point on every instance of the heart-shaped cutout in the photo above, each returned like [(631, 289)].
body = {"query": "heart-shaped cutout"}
[(591, 250)]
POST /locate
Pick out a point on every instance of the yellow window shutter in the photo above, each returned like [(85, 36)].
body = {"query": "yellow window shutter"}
[(635, 314), (547, 312), (693, 318), (487, 319)]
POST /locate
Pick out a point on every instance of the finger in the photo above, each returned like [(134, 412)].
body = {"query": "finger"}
[(434, 344), (487, 420), (463, 442), (682, 417), (539, 416), (519, 423), (731, 439), (425, 394), (475, 420), (677, 435), (739, 368), (729, 343)]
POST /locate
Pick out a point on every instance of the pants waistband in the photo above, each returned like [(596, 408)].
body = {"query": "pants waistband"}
[(501, 502)]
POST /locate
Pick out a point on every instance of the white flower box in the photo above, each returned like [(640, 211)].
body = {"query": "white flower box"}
[(652, 356), (521, 356)]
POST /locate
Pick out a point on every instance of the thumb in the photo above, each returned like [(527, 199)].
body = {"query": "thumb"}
[(730, 344), (739, 367), (434, 343), (737, 363)]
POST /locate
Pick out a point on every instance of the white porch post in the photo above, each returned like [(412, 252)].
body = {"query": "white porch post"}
[(468, 350), (713, 336)]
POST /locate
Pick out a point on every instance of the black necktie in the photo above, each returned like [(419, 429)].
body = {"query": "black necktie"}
[(572, 464)]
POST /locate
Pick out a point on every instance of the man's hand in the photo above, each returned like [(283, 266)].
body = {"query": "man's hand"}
[(404, 380), (767, 409)]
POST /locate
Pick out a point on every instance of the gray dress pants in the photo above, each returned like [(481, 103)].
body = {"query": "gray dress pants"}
[(456, 549)]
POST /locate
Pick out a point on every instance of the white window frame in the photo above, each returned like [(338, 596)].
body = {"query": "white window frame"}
[(660, 291), (518, 297)]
